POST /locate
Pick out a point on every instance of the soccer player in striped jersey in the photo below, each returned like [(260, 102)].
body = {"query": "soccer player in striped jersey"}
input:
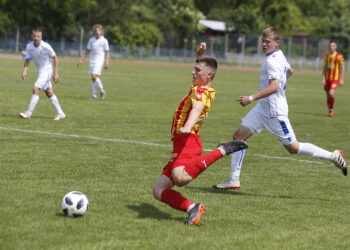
[(332, 75), (186, 161), (43, 55), (271, 112)]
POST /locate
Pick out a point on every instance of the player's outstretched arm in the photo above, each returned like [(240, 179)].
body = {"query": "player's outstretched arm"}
[(271, 89), (341, 74), (56, 77), (202, 48), (25, 68), (82, 58), (196, 111)]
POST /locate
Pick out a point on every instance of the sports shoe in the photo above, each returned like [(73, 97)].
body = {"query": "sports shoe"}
[(339, 161), (59, 116), (195, 214), (233, 146), (93, 97), (228, 184), (25, 115), (330, 114), (103, 95)]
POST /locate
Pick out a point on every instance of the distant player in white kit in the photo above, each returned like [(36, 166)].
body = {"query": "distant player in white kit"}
[(43, 55), (271, 112), (98, 49)]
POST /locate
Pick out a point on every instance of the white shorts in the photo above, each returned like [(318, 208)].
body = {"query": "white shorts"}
[(96, 68), (279, 126), (44, 80)]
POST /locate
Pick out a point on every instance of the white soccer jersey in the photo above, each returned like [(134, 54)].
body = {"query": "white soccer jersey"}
[(41, 55), (275, 66), (98, 48)]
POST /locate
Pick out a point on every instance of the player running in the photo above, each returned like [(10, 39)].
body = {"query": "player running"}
[(43, 55), (271, 112), (332, 74), (186, 161), (98, 48)]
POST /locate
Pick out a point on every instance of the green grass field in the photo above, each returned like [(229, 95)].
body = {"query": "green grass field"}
[(283, 203)]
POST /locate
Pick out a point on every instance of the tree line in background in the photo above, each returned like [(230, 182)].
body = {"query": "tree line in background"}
[(149, 22)]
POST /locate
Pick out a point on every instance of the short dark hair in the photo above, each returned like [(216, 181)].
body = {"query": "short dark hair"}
[(209, 62), (332, 41), (272, 30), (37, 29)]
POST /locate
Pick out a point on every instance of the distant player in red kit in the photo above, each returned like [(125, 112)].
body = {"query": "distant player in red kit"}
[(333, 74), (186, 161)]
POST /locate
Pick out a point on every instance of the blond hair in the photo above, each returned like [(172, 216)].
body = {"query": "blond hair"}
[(271, 31), (97, 26)]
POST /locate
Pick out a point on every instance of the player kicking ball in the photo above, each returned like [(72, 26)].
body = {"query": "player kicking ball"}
[(98, 48), (43, 55), (271, 112), (186, 161)]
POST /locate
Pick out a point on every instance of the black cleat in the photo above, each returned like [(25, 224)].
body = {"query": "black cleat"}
[(233, 146), (195, 214)]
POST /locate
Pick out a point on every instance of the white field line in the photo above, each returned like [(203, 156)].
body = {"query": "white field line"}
[(141, 143)]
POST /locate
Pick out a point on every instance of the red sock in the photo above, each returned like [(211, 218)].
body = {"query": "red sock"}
[(175, 200), (330, 102), (200, 163)]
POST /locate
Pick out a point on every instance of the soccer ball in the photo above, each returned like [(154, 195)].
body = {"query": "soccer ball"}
[(75, 204)]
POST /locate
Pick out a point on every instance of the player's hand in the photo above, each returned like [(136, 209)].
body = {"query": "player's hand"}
[(56, 78), (202, 48), (341, 82), (106, 66), (183, 130), (323, 82), (243, 100), (24, 74)]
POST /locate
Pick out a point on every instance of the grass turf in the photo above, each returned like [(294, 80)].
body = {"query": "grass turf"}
[(283, 203)]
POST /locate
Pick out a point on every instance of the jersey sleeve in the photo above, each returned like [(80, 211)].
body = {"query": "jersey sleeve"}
[(50, 50), (88, 46), (27, 52), (199, 95), (274, 70), (106, 45), (341, 60)]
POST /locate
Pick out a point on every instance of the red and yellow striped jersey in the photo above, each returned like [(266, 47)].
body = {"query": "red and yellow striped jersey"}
[(196, 94), (333, 62)]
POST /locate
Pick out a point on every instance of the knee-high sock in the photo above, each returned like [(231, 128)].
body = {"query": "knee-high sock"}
[(313, 151), (236, 164), (175, 200), (198, 164), (93, 88), (330, 102), (33, 102), (99, 84), (56, 104)]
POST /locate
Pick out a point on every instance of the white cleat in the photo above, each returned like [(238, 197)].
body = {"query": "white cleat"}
[(93, 97), (103, 95), (339, 161), (228, 184), (59, 116), (25, 115)]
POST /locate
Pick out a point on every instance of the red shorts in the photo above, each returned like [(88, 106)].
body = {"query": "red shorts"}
[(331, 85), (185, 147)]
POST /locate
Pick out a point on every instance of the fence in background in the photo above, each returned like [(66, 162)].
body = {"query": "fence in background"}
[(238, 53)]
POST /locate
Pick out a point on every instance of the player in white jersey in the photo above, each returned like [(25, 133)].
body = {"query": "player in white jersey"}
[(271, 112), (43, 55), (98, 49)]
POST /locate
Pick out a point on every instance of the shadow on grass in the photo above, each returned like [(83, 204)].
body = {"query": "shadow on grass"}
[(146, 210), (231, 192)]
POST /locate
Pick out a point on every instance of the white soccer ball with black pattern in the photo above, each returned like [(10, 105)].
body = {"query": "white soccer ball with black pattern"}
[(75, 204)]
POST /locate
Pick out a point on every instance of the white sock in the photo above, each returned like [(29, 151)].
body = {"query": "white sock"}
[(313, 151), (55, 103), (33, 102), (236, 164), (99, 84), (94, 88), (190, 207)]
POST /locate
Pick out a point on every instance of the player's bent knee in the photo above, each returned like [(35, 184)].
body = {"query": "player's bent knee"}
[(157, 192)]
